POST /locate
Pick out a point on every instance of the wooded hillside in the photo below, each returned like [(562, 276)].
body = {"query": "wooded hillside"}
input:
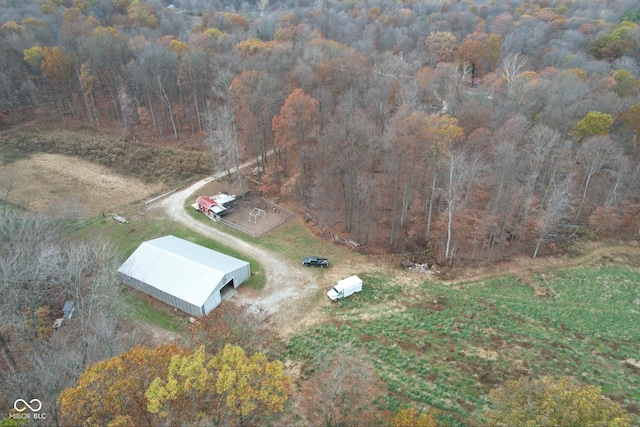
[(469, 131)]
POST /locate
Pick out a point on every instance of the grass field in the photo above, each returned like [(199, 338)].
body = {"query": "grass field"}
[(448, 346), (140, 310)]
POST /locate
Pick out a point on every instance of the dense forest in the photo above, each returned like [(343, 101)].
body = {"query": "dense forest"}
[(468, 131)]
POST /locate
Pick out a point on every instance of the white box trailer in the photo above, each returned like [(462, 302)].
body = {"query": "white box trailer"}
[(345, 288)]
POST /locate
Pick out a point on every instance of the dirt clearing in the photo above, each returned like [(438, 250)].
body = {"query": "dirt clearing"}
[(57, 182)]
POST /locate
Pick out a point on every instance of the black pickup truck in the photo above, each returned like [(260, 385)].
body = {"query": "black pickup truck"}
[(314, 261)]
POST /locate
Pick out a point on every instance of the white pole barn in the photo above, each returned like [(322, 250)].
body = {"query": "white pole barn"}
[(183, 274)]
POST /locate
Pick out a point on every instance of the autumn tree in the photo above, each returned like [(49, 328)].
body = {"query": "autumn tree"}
[(229, 388), (249, 114), (410, 417), (429, 93), (346, 153), (113, 390), (342, 390), (403, 139), (613, 215), (57, 66), (553, 402), (631, 119), (594, 123), (507, 157), (626, 83), (107, 52), (238, 325), (613, 44), (494, 42), (475, 53), (295, 125), (415, 145), (152, 76), (141, 15), (443, 132), (15, 38), (441, 46), (458, 178), (193, 79), (256, 97)]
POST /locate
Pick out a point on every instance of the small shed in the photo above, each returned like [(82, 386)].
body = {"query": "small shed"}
[(68, 309), (183, 274), (208, 206)]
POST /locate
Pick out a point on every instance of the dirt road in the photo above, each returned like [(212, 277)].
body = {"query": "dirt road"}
[(289, 288)]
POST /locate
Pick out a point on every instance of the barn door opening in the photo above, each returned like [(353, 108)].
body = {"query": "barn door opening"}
[(227, 291)]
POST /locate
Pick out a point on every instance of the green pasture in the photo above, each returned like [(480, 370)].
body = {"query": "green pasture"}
[(139, 310), (448, 346)]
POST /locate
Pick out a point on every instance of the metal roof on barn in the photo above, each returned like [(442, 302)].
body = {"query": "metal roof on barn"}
[(180, 268)]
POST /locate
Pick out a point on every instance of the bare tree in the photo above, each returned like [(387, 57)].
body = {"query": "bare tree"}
[(167, 101), (262, 5), (219, 157), (30, 259), (457, 175), (127, 108), (542, 141), (225, 136), (511, 67), (506, 158), (557, 207), (38, 271), (89, 278), (592, 155), (343, 390)]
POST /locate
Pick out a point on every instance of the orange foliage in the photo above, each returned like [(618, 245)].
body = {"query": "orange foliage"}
[(477, 53), (113, 390), (57, 65), (298, 119), (342, 391), (252, 46), (230, 324), (409, 417)]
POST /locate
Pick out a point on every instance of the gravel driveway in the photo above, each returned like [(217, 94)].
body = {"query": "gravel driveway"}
[(289, 288)]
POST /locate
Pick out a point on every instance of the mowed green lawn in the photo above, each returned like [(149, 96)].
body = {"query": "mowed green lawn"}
[(448, 346)]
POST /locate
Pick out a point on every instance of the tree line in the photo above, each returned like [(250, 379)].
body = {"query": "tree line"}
[(471, 131)]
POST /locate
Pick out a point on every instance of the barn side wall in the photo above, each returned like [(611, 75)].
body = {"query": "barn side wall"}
[(238, 276), (162, 296), (212, 302)]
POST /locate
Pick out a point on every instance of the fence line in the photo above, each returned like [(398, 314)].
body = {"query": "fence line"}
[(283, 220), (287, 217), (273, 205), (239, 228)]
